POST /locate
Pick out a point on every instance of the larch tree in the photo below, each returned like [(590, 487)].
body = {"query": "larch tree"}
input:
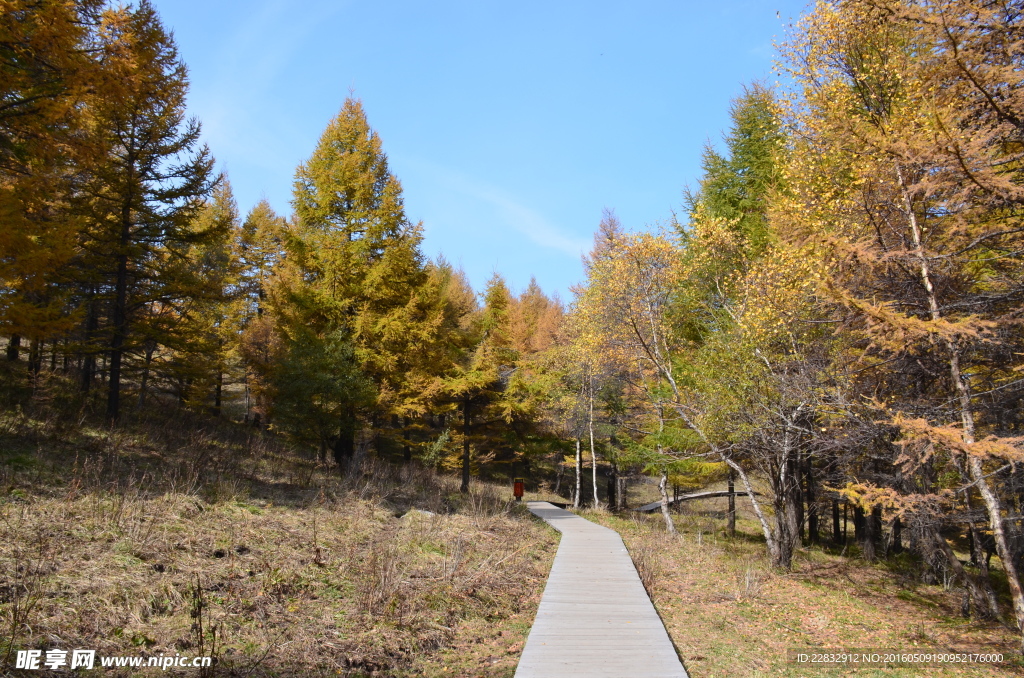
[(909, 182), (260, 250), (356, 263), (478, 385), (142, 198), (45, 70)]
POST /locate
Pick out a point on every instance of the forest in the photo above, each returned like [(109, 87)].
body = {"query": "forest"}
[(831, 323)]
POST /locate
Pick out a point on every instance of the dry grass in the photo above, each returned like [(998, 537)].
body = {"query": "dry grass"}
[(730, 614), (198, 538)]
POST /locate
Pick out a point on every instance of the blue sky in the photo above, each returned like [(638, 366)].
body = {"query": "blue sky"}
[(511, 125)]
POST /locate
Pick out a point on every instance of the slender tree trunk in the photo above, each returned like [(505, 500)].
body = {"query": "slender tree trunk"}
[(35, 357), (788, 523), (150, 347), (876, 528), (465, 446), (992, 501), (732, 504), (797, 501), (669, 525), (812, 506), (560, 474), (837, 534), (13, 346), (406, 447), (89, 356), (345, 445), (218, 391), (248, 404), (613, 487), (593, 452), (119, 331), (579, 473), (769, 537)]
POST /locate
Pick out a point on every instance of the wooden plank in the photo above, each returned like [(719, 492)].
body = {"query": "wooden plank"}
[(595, 618)]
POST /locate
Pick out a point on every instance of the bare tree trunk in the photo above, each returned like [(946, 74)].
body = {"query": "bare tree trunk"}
[(579, 472), (732, 503), (248, 404), (218, 392), (812, 506), (150, 348), (89, 356), (669, 525), (837, 534), (406, 447), (872, 525), (593, 452), (13, 346), (992, 502), (769, 537), (35, 357), (465, 446), (613, 487), (119, 323), (561, 472)]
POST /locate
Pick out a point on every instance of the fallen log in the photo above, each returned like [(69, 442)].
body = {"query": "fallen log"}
[(647, 508)]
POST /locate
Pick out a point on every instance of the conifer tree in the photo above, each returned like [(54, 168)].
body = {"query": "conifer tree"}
[(210, 313), (735, 187), (260, 246), (45, 70), (479, 383), (357, 262), (260, 250), (142, 199)]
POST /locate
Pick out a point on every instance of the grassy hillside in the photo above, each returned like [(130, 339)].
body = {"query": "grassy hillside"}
[(189, 535)]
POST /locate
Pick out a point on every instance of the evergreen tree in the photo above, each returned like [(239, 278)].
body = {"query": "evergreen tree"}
[(209, 273)]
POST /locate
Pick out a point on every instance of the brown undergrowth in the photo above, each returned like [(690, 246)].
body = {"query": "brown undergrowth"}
[(199, 538), (730, 614)]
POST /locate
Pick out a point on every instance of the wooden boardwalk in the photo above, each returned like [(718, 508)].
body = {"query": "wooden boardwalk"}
[(595, 619)]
